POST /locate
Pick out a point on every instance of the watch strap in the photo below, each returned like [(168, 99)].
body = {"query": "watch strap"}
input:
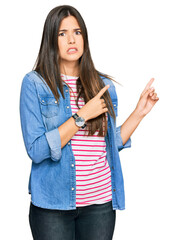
[(84, 125), (75, 116)]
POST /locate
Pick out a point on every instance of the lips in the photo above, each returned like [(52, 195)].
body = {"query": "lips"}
[(72, 50)]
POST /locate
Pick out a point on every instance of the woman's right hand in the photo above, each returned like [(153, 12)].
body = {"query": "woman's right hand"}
[(95, 107)]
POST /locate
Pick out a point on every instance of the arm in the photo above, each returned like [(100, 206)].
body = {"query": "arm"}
[(146, 102), (40, 144), (68, 129), (91, 109), (129, 126)]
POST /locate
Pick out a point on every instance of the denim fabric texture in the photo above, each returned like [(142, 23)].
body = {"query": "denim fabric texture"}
[(52, 181), (94, 222)]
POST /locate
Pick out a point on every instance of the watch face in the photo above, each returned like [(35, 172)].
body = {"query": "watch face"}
[(80, 121)]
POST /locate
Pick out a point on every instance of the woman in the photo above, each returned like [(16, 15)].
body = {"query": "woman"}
[(68, 111)]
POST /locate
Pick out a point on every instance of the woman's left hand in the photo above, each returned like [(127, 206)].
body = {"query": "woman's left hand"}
[(148, 99)]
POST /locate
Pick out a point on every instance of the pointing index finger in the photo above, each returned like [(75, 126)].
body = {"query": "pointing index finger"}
[(103, 90), (149, 84)]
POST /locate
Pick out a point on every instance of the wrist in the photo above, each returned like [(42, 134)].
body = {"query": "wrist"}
[(82, 114), (79, 121), (138, 114)]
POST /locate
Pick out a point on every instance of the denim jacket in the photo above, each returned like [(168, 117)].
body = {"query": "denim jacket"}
[(52, 181)]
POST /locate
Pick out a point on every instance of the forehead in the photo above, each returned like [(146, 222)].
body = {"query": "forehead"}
[(69, 22)]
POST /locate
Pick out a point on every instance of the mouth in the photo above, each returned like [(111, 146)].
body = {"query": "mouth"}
[(72, 50)]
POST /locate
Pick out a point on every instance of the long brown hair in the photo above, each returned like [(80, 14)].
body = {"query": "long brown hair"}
[(89, 82)]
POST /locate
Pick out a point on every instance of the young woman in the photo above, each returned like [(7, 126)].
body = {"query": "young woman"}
[(68, 111)]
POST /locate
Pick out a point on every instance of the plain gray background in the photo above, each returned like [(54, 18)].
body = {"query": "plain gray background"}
[(132, 41)]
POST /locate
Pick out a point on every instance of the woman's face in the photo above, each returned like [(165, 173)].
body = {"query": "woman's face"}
[(70, 41)]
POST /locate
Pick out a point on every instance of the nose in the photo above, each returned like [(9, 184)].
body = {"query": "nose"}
[(71, 39)]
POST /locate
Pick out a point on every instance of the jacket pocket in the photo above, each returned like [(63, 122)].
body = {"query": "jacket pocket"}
[(49, 106)]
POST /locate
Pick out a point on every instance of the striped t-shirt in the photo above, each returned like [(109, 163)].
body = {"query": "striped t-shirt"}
[(93, 175)]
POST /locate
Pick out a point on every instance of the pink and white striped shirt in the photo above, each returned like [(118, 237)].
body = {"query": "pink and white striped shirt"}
[(93, 175)]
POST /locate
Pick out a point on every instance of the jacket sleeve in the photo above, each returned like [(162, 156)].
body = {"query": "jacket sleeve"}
[(119, 142), (39, 143)]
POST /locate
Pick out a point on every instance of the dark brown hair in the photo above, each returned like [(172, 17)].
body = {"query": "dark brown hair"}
[(89, 82)]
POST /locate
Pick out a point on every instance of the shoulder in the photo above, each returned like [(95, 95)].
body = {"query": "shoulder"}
[(33, 77), (107, 81), (35, 82)]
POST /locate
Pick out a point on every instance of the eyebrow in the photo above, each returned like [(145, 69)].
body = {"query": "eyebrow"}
[(65, 30)]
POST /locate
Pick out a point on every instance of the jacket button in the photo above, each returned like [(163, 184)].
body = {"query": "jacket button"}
[(72, 165), (68, 143), (72, 189), (66, 90), (67, 106), (114, 190)]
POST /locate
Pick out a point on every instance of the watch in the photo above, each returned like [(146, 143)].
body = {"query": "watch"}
[(79, 121)]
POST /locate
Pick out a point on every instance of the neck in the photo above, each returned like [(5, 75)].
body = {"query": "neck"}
[(70, 68)]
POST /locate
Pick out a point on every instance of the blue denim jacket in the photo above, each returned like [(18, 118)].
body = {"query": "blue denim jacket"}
[(52, 180)]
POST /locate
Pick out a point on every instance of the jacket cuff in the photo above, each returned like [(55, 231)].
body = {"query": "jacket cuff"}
[(119, 141), (54, 141)]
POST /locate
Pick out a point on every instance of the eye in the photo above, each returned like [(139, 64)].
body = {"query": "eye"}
[(78, 32), (61, 34)]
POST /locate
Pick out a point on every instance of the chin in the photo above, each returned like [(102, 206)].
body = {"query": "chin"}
[(72, 58)]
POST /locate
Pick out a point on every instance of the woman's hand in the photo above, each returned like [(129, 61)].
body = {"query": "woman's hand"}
[(147, 100), (95, 107)]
